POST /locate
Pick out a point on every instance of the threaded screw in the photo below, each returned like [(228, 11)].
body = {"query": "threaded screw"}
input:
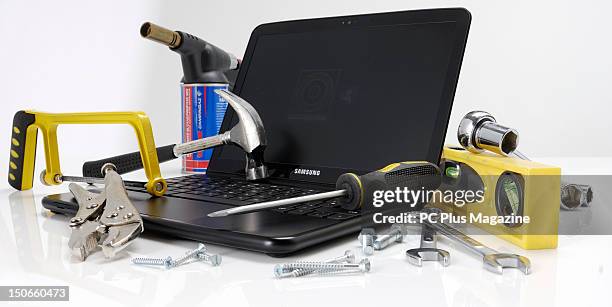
[(166, 262), (348, 257), (325, 268), (212, 259), (395, 234), (190, 255)]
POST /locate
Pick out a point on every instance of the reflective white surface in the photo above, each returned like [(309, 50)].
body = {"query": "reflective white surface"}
[(34, 245)]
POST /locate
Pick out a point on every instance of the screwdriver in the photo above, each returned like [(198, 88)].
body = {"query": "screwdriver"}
[(356, 191)]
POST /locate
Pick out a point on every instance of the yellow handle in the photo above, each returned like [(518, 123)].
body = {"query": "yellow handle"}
[(23, 154)]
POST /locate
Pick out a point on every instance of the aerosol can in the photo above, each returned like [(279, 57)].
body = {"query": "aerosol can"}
[(204, 70)]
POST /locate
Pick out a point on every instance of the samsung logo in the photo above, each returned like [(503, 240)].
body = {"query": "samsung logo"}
[(309, 172)]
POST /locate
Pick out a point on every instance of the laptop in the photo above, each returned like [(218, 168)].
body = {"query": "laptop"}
[(336, 95)]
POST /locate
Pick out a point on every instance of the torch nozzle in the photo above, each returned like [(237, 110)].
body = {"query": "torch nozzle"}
[(160, 34)]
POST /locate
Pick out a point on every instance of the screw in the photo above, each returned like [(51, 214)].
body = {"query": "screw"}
[(192, 254), (366, 238), (348, 257), (325, 268), (214, 259), (167, 262), (395, 234)]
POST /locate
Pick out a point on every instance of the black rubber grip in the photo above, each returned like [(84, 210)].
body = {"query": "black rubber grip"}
[(126, 163), (21, 122)]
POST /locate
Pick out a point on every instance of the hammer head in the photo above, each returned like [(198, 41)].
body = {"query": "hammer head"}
[(249, 134)]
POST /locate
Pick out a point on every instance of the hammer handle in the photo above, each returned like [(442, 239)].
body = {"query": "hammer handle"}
[(127, 162)]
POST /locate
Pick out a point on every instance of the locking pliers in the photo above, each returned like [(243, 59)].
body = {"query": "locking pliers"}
[(107, 219)]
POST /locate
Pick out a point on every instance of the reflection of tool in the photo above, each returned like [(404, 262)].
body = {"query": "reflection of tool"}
[(428, 250), (25, 131), (107, 219), (479, 130), (492, 260), (355, 192), (248, 134), (203, 73)]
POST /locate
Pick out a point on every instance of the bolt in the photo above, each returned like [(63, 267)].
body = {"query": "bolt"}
[(366, 238), (325, 268), (214, 259), (348, 257), (190, 255), (158, 186), (107, 167), (168, 263), (395, 234)]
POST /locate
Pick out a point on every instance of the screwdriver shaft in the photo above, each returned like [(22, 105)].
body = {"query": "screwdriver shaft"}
[(278, 203)]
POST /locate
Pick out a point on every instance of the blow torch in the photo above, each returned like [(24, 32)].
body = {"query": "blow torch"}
[(205, 69)]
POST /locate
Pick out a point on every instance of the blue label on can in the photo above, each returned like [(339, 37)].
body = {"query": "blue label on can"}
[(203, 112)]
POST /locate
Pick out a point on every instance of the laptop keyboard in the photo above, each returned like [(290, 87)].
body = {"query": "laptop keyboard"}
[(232, 191)]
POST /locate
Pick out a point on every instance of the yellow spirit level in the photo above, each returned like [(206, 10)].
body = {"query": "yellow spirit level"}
[(512, 187), (25, 131)]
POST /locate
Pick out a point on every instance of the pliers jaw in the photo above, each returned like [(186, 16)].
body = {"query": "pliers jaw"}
[(107, 219)]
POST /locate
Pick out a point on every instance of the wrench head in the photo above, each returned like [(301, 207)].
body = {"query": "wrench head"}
[(498, 262), (416, 256)]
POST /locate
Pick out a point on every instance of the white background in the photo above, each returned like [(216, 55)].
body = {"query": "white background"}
[(542, 67)]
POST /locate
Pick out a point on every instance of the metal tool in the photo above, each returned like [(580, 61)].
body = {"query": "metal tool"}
[(573, 195), (197, 254), (107, 219), (366, 239), (479, 131), (491, 259), (394, 235), (325, 268), (167, 262), (94, 180), (212, 259), (356, 191), (190, 255), (428, 250), (248, 134), (348, 257), (23, 145)]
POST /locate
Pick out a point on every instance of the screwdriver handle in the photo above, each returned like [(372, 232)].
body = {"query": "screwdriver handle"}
[(412, 175), (127, 162)]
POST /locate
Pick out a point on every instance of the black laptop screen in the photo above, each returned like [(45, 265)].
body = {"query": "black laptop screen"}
[(352, 99)]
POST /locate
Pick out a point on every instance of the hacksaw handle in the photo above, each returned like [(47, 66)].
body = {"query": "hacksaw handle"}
[(23, 151), (126, 163)]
